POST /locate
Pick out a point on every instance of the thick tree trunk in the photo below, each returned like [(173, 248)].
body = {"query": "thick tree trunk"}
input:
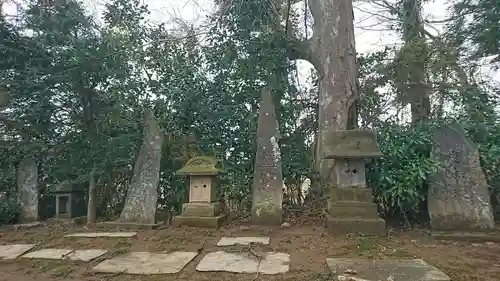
[(332, 51)]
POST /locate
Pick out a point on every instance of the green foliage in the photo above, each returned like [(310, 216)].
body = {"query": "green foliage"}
[(9, 208), (399, 178), (477, 23)]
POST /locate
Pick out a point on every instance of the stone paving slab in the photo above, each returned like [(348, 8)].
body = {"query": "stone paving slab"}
[(399, 269), (28, 225), (59, 254), (146, 263), (272, 263), (231, 241), (10, 252), (102, 234)]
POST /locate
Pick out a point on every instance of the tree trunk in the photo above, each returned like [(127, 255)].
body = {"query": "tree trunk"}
[(332, 51), (91, 207), (414, 54)]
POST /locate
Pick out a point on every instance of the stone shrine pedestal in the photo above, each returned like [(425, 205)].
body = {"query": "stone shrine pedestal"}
[(203, 209), (350, 202)]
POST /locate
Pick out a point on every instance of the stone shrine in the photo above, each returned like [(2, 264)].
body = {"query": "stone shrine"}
[(203, 208), (70, 201), (350, 203)]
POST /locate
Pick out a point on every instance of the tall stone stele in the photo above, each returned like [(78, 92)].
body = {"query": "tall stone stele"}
[(142, 196), (267, 189), (27, 181), (203, 208), (350, 203)]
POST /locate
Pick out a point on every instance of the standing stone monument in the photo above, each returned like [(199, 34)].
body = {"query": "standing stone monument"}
[(350, 203), (27, 181), (140, 204), (459, 198), (203, 209), (268, 179)]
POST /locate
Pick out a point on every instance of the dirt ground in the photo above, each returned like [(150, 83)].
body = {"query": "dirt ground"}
[(308, 245)]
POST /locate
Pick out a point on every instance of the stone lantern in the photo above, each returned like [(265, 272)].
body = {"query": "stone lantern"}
[(203, 208), (350, 202)]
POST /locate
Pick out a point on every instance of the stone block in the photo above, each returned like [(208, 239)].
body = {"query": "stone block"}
[(10, 252), (387, 269), (351, 144), (205, 222), (146, 263), (467, 236), (102, 234), (353, 209), (351, 194), (202, 209), (231, 241), (127, 225), (271, 263), (366, 226), (60, 254)]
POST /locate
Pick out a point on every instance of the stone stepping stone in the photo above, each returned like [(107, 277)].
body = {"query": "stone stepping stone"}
[(272, 263), (231, 241), (102, 234), (60, 254), (399, 269), (146, 263), (11, 252)]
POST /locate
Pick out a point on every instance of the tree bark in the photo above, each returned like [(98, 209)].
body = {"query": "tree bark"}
[(91, 207), (332, 51), (415, 53)]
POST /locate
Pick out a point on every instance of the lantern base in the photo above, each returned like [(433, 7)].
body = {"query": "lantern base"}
[(366, 226), (203, 209), (202, 222)]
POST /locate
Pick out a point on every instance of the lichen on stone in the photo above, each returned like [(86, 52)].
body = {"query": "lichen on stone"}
[(201, 165), (351, 144)]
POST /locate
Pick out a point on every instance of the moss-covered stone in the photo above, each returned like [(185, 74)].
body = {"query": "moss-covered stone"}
[(201, 165), (351, 144)]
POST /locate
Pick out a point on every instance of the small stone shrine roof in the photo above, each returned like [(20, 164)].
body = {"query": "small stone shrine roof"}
[(66, 186), (352, 144), (201, 166)]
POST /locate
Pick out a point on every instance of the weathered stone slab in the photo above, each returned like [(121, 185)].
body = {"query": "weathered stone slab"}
[(28, 225), (102, 234), (399, 269), (126, 225), (272, 263), (466, 236), (206, 222), (140, 203), (231, 241), (459, 198), (146, 263), (27, 181), (10, 252), (60, 254), (267, 186)]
